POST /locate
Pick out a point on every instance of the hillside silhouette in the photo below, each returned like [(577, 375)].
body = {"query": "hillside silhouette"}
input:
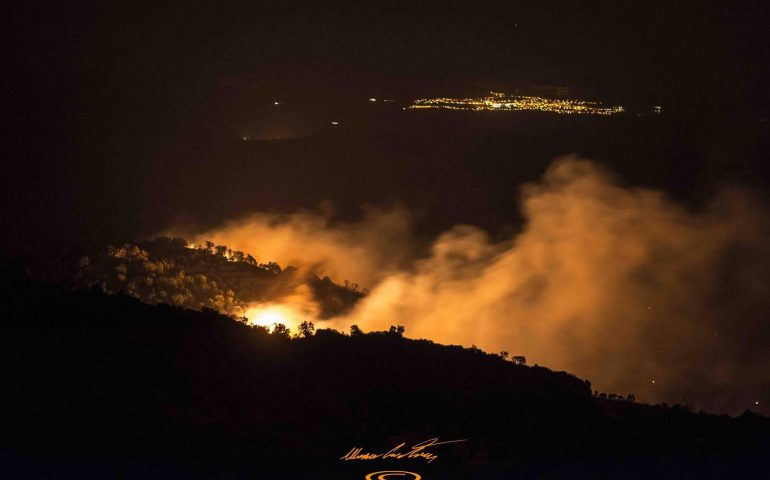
[(98, 386), (169, 270)]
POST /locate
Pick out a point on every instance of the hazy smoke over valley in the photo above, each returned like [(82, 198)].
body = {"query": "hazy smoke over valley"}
[(618, 285)]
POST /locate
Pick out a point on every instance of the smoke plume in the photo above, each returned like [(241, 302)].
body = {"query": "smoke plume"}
[(619, 285), (364, 251)]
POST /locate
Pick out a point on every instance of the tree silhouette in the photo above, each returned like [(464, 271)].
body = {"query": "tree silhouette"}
[(306, 329), (519, 360), (397, 330), (273, 267), (354, 330), (281, 330)]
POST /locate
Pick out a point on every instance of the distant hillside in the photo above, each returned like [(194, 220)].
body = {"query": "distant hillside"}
[(166, 270), (101, 386)]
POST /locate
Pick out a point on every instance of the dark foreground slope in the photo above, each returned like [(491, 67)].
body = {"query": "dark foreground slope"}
[(99, 386)]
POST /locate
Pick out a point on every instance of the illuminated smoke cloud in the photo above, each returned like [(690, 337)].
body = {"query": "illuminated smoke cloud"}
[(618, 285), (361, 252)]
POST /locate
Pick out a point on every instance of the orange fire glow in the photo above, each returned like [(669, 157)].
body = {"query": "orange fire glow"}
[(270, 314)]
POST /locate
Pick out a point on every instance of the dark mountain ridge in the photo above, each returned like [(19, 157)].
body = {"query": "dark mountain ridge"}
[(99, 385)]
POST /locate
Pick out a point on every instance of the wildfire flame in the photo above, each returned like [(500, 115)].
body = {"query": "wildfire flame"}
[(270, 314)]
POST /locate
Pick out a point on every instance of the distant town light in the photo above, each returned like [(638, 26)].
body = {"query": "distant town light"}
[(276, 103), (502, 101), (657, 109), (335, 123), (372, 99)]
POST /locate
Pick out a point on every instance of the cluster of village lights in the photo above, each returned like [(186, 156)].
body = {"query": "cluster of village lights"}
[(502, 102)]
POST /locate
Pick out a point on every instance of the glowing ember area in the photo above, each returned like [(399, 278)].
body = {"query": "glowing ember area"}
[(270, 314), (503, 102)]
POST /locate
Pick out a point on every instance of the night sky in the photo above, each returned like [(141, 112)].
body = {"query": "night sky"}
[(95, 93)]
